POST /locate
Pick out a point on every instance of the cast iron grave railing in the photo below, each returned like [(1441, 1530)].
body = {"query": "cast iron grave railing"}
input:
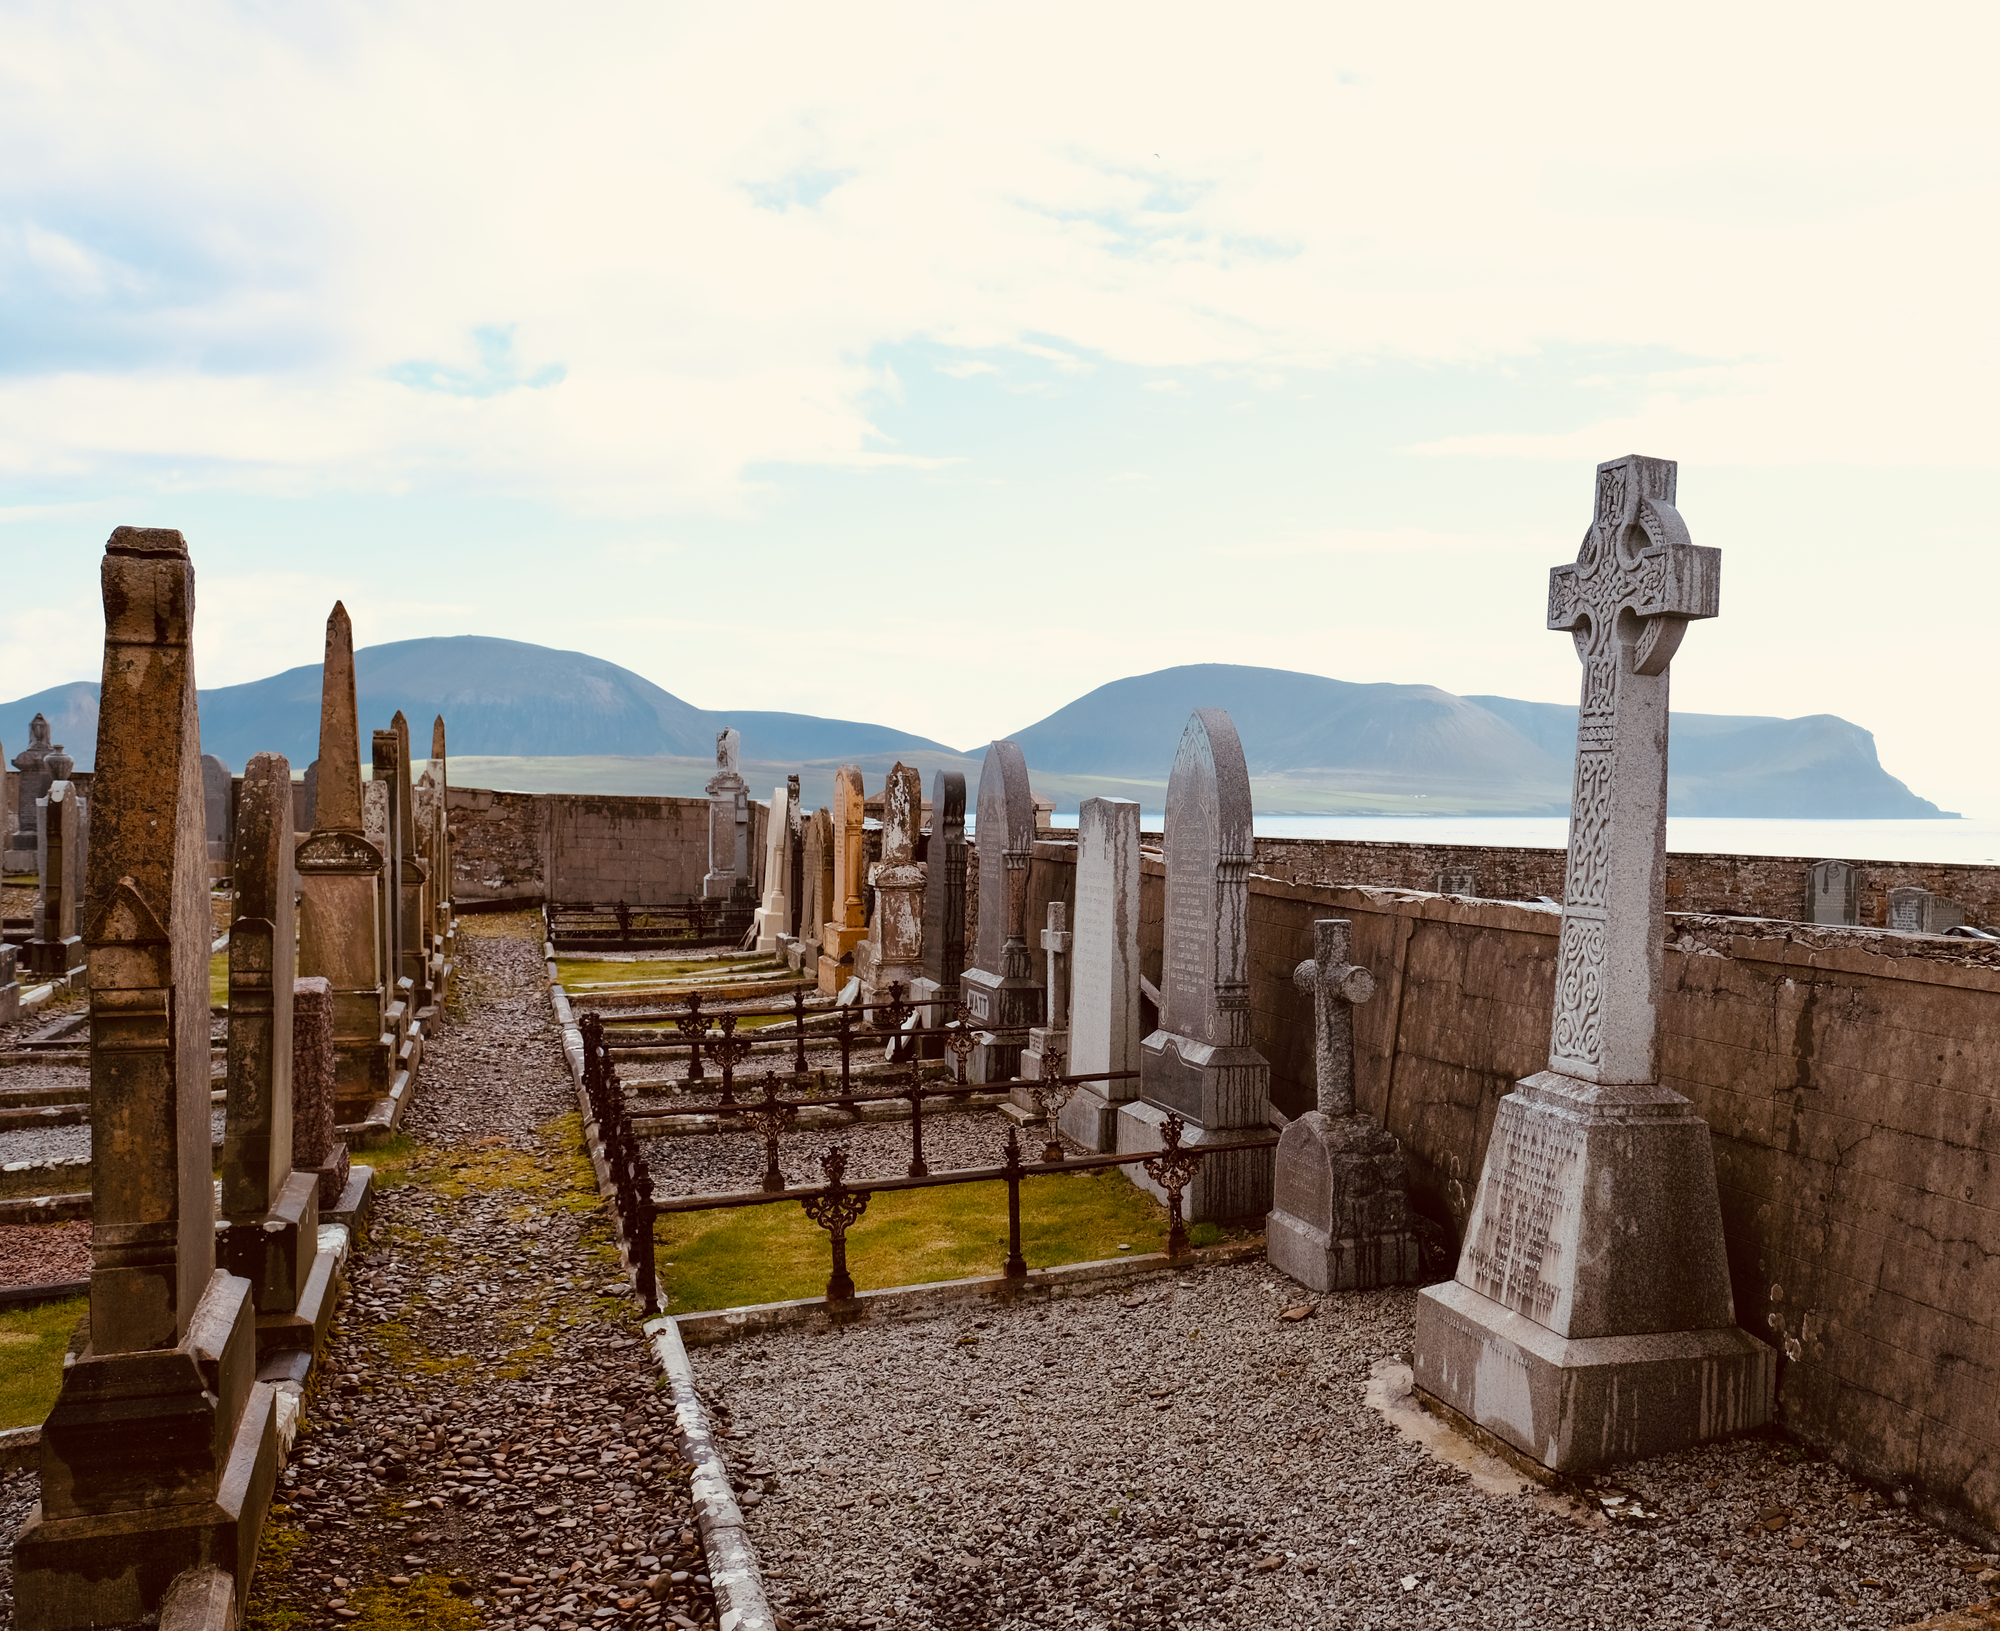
[(625, 1164)]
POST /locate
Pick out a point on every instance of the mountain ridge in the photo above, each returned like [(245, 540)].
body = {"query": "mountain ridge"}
[(1314, 744)]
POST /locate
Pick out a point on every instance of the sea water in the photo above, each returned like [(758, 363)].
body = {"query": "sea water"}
[(1974, 841)]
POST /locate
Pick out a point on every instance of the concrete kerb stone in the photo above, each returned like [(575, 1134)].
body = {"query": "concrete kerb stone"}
[(707, 1328), (20, 1447), (733, 1569)]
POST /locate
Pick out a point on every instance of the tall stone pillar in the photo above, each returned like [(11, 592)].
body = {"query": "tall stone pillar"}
[(846, 921), (774, 913), (895, 938), (937, 988), (1592, 1319), (413, 924), (273, 1235), (343, 904), (1104, 970), (160, 1453)]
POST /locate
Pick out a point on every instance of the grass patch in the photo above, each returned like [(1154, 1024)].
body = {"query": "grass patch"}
[(218, 979), (759, 1254), (573, 970), (32, 1344)]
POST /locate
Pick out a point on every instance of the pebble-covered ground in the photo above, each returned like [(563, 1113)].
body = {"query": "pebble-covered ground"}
[(1177, 1453), (34, 1254), (492, 1434), (487, 1442)]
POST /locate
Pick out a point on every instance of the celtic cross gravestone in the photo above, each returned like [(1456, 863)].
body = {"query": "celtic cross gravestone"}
[(1592, 1318)]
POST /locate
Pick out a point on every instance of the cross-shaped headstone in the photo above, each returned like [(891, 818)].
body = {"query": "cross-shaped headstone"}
[(1335, 986), (1627, 601), (1056, 942)]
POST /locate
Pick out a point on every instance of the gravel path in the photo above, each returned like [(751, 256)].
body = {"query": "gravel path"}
[(719, 1163), (1195, 1460), (487, 1423), (496, 1429)]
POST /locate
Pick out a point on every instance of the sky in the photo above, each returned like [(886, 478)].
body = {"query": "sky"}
[(933, 365)]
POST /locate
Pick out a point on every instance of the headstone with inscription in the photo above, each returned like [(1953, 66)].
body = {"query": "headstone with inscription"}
[(846, 920), (162, 1447), (1199, 1064), (999, 989), (817, 892), (62, 820), (1592, 1319), (795, 844), (1458, 881), (272, 1238), (1915, 910), (1104, 970), (1833, 893), (343, 905), (1340, 1204), (774, 913)]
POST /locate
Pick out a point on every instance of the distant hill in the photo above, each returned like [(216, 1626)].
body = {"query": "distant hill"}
[(1314, 745), (502, 697), (1492, 754)]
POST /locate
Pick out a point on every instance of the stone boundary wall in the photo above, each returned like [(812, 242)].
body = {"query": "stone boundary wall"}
[(1760, 886), (1848, 1076), (518, 848)]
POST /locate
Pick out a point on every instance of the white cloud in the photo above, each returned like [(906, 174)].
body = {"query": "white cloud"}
[(706, 221)]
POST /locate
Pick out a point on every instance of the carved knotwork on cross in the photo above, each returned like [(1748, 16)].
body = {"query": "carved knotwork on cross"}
[(1335, 986), (1173, 1169), (1636, 584), (836, 1211), (770, 1120)]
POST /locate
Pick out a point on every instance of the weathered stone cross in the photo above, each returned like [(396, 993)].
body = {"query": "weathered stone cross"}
[(1335, 986), (1627, 601)]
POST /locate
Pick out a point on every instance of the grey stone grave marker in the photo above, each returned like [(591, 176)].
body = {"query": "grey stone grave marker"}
[(1833, 893), (35, 777), (937, 987), (1199, 1064), (1340, 1212), (999, 989), (1592, 1318), (1104, 1011), (62, 820)]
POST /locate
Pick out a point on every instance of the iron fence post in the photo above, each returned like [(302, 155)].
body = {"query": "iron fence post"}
[(1017, 1265)]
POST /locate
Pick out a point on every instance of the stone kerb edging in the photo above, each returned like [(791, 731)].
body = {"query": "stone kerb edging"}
[(733, 1570), (20, 1447), (711, 1328)]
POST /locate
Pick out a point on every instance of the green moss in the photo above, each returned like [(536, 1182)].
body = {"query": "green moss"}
[(33, 1341), (1205, 1234), (773, 1253), (426, 1602)]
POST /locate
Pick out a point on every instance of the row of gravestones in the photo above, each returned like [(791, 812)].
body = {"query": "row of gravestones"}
[(159, 1457)]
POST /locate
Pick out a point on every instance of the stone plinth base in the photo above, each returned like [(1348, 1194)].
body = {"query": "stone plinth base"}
[(331, 1175), (1340, 1212), (151, 1463), (1236, 1185), (274, 1251), (53, 959), (1583, 1402), (1091, 1119), (995, 1000)]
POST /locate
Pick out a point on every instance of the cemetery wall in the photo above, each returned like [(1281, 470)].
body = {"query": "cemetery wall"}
[(1762, 886)]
